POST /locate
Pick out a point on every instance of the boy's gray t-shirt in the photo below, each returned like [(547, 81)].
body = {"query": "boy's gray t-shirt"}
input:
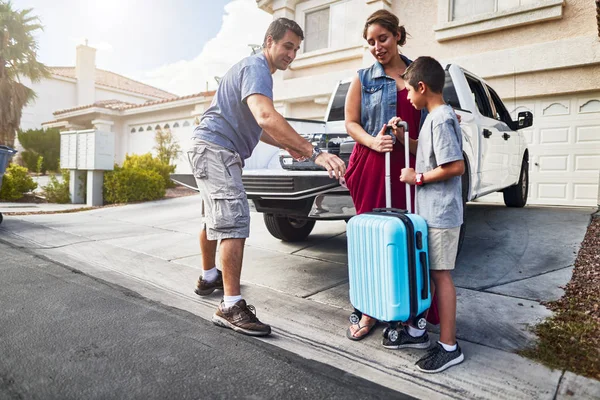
[(440, 142), (228, 122)]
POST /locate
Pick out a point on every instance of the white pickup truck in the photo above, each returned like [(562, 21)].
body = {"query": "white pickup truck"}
[(293, 195)]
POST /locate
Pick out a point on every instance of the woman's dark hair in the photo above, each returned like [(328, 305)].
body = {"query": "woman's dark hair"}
[(388, 21), (279, 27)]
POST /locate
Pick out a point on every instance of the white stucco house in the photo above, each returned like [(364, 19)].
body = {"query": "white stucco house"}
[(539, 55), (83, 84)]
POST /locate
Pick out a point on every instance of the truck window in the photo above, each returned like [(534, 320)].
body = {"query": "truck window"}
[(501, 112), (480, 97), (339, 100), (449, 92)]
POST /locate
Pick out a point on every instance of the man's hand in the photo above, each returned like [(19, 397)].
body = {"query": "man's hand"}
[(382, 143), (333, 164), (408, 175)]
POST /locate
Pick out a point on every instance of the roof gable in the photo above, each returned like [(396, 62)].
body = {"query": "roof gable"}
[(116, 81)]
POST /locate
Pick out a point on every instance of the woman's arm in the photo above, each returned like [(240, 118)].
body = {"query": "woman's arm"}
[(381, 142)]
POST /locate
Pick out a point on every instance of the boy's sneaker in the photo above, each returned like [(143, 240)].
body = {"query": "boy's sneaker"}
[(438, 359), (204, 288), (400, 339), (241, 318)]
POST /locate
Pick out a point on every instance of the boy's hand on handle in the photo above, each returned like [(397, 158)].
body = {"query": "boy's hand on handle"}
[(408, 175), (382, 143), (334, 165), (397, 130)]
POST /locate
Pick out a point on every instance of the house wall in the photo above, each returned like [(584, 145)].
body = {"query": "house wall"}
[(539, 55), (51, 95)]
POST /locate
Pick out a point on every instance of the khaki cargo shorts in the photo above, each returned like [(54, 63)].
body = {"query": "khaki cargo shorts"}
[(218, 173), (443, 246)]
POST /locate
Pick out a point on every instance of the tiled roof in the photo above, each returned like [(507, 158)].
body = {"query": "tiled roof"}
[(119, 105), (110, 79)]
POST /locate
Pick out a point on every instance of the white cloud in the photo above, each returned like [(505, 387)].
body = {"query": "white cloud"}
[(243, 24)]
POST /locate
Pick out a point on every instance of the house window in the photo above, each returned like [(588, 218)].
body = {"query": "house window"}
[(141, 129), (148, 128), (166, 126), (462, 9), (316, 30), (132, 130), (176, 125)]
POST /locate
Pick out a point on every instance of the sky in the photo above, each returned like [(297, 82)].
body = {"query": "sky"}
[(176, 45)]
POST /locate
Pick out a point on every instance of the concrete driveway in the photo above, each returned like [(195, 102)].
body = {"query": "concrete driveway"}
[(511, 259)]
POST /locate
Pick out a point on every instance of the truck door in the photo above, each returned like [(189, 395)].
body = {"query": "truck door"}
[(512, 138), (491, 143)]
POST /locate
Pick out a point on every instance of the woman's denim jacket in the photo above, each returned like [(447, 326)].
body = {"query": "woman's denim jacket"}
[(378, 99)]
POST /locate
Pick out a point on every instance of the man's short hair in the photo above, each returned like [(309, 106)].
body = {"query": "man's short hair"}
[(428, 71), (279, 27)]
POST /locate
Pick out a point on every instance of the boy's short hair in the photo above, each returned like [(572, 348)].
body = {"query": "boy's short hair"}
[(279, 27), (426, 70)]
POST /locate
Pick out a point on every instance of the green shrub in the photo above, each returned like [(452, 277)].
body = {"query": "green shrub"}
[(149, 163), (29, 159), (56, 191), (128, 184), (15, 183), (40, 142)]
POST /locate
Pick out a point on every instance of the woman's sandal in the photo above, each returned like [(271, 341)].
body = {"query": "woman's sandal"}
[(369, 328)]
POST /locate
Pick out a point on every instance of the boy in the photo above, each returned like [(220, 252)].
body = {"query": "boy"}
[(437, 172)]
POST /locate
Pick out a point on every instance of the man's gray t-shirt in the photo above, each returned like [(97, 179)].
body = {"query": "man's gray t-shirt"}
[(228, 122), (440, 142)]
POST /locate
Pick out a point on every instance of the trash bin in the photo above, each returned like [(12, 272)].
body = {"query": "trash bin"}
[(6, 154)]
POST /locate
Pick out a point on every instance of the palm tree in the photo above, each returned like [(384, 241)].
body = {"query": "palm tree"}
[(17, 59)]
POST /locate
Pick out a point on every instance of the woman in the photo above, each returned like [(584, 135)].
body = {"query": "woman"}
[(377, 97)]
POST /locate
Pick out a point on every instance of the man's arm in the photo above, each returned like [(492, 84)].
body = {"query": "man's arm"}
[(266, 138), (279, 130), (275, 126)]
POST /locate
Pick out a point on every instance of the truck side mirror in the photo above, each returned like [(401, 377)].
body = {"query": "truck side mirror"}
[(524, 119)]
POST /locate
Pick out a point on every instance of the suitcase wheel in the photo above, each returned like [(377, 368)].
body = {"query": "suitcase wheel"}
[(355, 317), (392, 335), (421, 323)]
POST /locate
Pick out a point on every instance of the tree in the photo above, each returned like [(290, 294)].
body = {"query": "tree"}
[(17, 59), (167, 148)]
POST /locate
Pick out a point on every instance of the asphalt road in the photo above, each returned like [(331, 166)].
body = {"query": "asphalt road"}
[(65, 335)]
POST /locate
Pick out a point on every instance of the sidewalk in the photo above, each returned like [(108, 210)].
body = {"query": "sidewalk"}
[(301, 290)]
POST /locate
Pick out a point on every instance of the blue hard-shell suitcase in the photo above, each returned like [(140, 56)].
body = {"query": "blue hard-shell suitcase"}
[(388, 263)]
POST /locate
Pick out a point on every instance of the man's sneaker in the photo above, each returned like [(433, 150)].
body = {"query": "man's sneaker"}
[(438, 359), (241, 318), (204, 288), (400, 339)]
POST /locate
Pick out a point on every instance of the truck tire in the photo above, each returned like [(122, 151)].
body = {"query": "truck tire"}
[(288, 229), (465, 182), (516, 195)]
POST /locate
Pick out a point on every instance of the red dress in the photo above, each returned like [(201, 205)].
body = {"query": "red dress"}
[(365, 175)]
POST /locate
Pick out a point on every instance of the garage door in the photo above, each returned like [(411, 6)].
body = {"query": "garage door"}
[(564, 150)]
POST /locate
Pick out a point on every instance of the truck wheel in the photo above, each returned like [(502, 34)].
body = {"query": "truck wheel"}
[(516, 195), (288, 229), (465, 182)]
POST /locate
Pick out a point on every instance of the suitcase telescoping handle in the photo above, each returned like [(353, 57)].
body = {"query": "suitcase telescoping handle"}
[(388, 181)]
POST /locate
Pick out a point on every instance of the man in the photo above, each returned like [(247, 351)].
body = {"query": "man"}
[(241, 114)]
